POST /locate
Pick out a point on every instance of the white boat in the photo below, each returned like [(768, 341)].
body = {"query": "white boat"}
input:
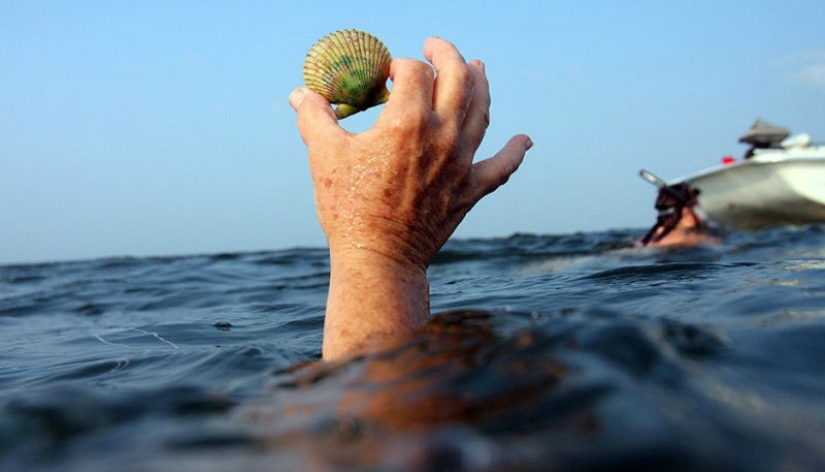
[(780, 181)]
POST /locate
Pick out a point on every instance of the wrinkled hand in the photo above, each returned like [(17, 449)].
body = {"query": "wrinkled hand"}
[(401, 188), (390, 197)]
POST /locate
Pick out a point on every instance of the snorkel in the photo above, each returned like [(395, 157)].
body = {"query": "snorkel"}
[(670, 202)]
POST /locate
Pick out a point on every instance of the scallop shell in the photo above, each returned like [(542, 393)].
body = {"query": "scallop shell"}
[(349, 68)]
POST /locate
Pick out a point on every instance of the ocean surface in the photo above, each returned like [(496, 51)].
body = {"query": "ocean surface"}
[(567, 352)]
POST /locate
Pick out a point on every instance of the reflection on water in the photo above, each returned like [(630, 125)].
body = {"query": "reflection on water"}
[(441, 390), (550, 353)]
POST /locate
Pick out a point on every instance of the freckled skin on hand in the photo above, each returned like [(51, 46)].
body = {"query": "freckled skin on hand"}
[(390, 197)]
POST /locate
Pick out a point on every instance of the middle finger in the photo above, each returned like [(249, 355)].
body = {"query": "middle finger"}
[(453, 83)]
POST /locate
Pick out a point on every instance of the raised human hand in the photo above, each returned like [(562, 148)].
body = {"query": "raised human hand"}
[(390, 197), (402, 187)]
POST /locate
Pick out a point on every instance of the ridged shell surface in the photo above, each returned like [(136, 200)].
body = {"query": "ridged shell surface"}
[(349, 68)]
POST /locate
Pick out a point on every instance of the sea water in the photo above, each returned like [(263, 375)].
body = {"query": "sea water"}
[(567, 352)]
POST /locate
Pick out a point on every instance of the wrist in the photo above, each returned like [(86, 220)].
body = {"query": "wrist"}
[(378, 238)]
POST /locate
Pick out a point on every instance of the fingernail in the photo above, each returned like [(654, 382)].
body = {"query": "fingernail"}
[(482, 66), (296, 97), (528, 144)]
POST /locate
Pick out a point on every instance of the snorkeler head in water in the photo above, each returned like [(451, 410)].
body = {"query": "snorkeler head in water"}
[(679, 221), (389, 198)]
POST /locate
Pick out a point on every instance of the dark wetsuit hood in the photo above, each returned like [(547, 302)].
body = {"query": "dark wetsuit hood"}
[(670, 202)]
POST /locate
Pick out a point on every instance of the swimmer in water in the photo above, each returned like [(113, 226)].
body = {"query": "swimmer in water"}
[(679, 222), (390, 197)]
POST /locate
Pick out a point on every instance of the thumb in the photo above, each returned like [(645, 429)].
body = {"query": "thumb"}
[(316, 117)]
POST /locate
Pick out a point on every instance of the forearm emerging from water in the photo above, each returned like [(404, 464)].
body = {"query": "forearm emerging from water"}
[(390, 197), (371, 296)]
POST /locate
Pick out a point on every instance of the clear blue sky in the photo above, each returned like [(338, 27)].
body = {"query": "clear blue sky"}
[(158, 127)]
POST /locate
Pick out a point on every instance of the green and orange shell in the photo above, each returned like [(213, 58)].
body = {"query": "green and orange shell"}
[(349, 68)]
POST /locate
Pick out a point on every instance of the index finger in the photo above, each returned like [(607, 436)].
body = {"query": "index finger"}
[(454, 82), (412, 86)]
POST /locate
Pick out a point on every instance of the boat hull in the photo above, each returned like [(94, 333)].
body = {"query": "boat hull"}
[(765, 192)]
